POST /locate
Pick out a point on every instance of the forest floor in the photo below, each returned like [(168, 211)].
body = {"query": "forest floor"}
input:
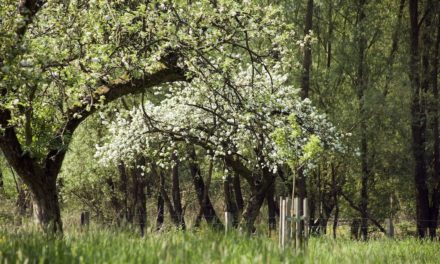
[(98, 245)]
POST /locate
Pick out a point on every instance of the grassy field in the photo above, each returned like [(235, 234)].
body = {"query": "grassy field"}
[(107, 246)]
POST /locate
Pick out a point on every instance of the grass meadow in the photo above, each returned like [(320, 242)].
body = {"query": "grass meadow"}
[(98, 245)]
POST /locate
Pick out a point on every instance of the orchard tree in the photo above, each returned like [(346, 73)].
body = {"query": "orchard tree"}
[(60, 61), (253, 123)]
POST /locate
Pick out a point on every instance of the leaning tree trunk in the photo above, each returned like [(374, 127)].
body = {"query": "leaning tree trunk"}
[(252, 211), (256, 200), (39, 176), (202, 192), (238, 193)]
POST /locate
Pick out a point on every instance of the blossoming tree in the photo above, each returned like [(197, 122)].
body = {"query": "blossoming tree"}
[(252, 123), (61, 60)]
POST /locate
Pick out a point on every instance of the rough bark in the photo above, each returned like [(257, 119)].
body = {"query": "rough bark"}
[(46, 207)]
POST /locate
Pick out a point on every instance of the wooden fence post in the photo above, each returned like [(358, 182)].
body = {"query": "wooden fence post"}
[(306, 218), (228, 221), (293, 211), (280, 224), (299, 232), (283, 225), (291, 224), (288, 221), (390, 227), (389, 221)]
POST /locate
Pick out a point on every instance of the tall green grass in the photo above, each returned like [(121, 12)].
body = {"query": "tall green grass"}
[(204, 246)]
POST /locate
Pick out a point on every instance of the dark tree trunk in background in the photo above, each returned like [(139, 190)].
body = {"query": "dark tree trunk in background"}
[(141, 210), (123, 189), (237, 192), (205, 204), (177, 200), (259, 188), (355, 228), (423, 76), (425, 85), (166, 199), (335, 193), (230, 205), (141, 196), (436, 112), (361, 85), (301, 183), (258, 195), (418, 125), (115, 203), (335, 220), (132, 186), (307, 59), (160, 212), (271, 208), (252, 210), (170, 206), (164, 196)]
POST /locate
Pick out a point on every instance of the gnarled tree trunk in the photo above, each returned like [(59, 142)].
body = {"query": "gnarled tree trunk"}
[(46, 207)]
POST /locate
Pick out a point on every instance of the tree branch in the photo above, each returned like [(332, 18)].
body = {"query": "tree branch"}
[(111, 91), (355, 207)]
